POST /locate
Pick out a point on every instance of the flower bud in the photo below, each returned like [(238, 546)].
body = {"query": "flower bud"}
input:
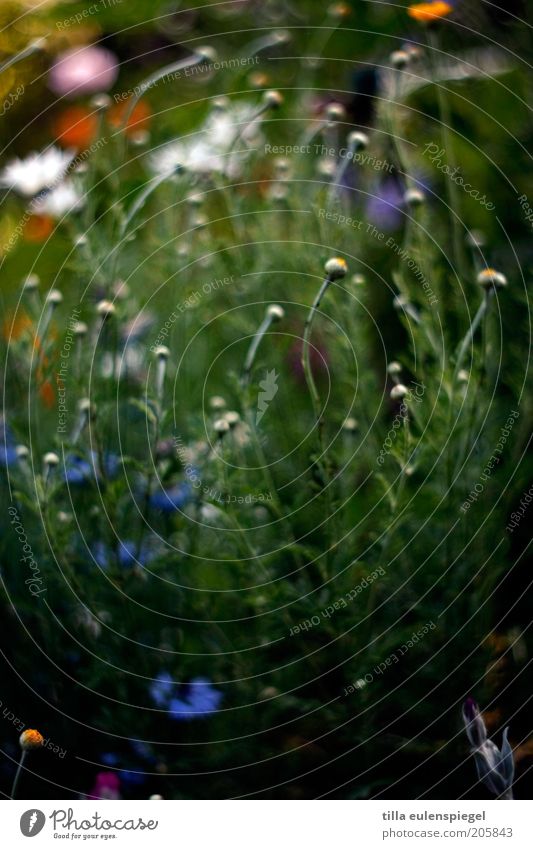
[(358, 141), (489, 278), (335, 112), (51, 459), (162, 352), (336, 267), (272, 99), (398, 392), (399, 59), (221, 427), (30, 739), (414, 197), (275, 312), (105, 308), (54, 297)]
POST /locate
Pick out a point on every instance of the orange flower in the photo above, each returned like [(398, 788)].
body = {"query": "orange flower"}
[(426, 13), (38, 228), (75, 127), (31, 739), (138, 120)]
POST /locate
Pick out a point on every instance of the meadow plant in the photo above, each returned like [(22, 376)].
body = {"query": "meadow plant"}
[(184, 516)]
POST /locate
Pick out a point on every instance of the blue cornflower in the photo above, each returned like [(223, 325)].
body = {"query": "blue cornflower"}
[(8, 450), (161, 689), (128, 557), (79, 471), (198, 700), (169, 500)]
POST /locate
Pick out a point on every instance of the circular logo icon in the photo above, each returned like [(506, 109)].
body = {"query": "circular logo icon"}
[(32, 822)]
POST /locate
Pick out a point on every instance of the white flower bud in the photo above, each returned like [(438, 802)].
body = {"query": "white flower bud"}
[(394, 368), (80, 328), (399, 392), (272, 99), (399, 59), (275, 312), (232, 418), (336, 267), (335, 112), (162, 352), (414, 197), (221, 427), (54, 297), (358, 141), (31, 283), (51, 459), (105, 308), (489, 278), (217, 402)]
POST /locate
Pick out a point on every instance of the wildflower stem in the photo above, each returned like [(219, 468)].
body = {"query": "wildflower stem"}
[(306, 357), (254, 346), (153, 79), (451, 187), (17, 774), (470, 334), (35, 47)]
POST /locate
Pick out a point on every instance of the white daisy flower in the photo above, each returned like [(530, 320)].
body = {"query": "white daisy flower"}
[(58, 201), (210, 149), (38, 171)]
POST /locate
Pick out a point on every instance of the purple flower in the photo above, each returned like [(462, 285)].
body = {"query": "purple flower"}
[(495, 767), (198, 699), (161, 689), (169, 500), (79, 472), (8, 451), (385, 207), (83, 70), (127, 553)]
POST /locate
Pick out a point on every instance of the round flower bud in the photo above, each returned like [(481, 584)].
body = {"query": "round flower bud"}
[(162, 352), (398, 392), (217, 402), (105, 308), (489, 278), (414, 197), (335, 112), (101, 102), (399, 59), (51, 459), (80, 328), (156, 797), (463, 376), (358, 279), (394, 368), (275, 312), (272, 99), (31, 283), (84, 405), (54, 297), (21, 452), (336, 267), (358, 141), (207, 53), (350, 424), (221, 427), (30, 739), (232, 418)]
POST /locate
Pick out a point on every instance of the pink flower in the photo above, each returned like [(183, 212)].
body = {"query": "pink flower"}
[(83, 70), (106, 786)]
